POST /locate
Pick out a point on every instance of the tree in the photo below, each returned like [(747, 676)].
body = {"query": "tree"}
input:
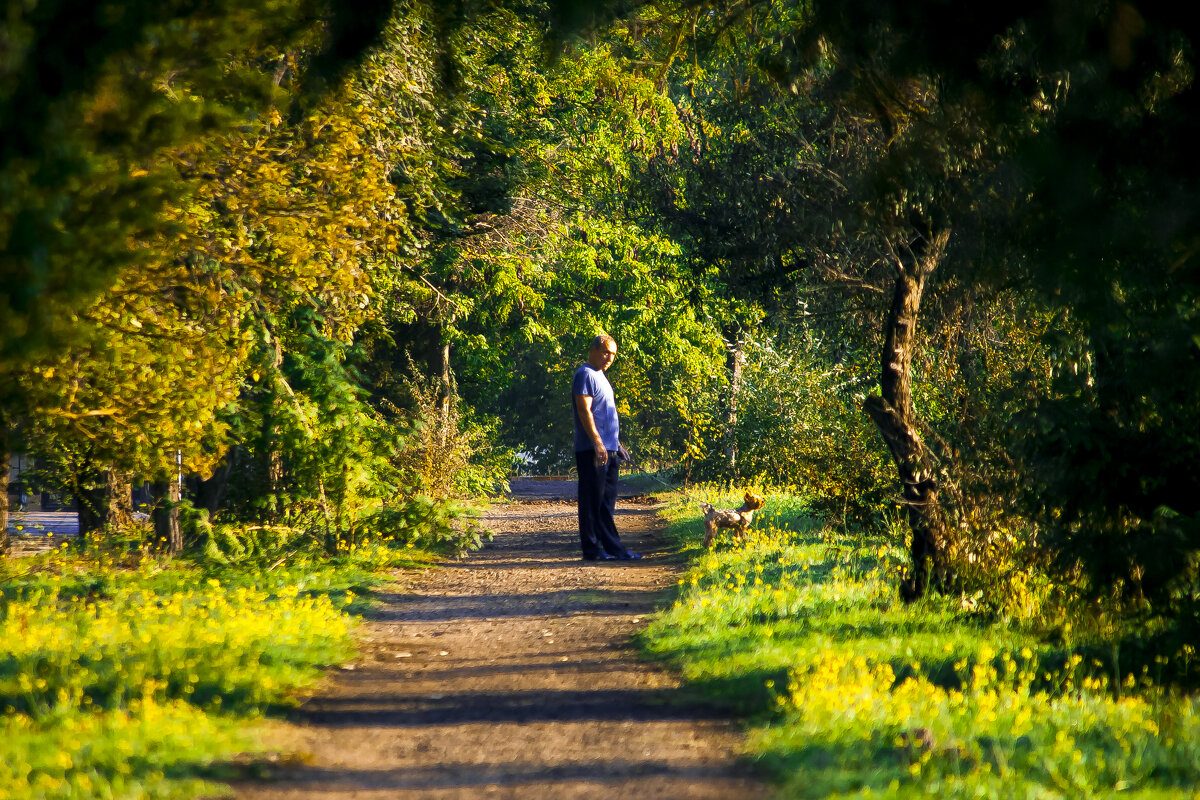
[(1093, 108), (539, 253), (839, 206), (89, 102), (768, 197), (90, 106)]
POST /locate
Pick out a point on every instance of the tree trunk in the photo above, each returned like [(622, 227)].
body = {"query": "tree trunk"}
[(5, 465), (275, 471), (446, 390), (105, 500), (272, 465), (166, 514), (737, 358), (210, 492), (893, 413), (89, 507)]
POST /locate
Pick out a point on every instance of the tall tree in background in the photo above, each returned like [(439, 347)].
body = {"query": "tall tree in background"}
[(827, 174), (777, 194), (1094, 108), (276, 213), (91, 100), (541, 253)]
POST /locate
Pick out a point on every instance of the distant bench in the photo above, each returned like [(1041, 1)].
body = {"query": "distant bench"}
[(35, 523)]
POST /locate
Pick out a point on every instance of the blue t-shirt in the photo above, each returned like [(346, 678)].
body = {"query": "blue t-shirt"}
[(592, 382)]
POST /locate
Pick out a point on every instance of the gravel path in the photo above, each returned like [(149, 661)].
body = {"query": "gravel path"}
[(511, 675)]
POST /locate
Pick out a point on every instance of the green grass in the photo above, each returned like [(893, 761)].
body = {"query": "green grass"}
[(131, 678), (852, 693), (646, 482)]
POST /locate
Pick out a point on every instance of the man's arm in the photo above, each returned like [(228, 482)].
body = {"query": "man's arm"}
[(583, 407)]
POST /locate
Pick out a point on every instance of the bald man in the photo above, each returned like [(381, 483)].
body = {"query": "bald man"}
[(597, 442)]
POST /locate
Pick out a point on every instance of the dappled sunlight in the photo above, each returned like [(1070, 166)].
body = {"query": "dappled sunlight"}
[(799, 625)]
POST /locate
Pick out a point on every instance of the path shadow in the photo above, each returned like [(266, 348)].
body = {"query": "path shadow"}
[(441, 608), (558, 512), (453, 775), (400, 710), (579, 664), (572, 561)]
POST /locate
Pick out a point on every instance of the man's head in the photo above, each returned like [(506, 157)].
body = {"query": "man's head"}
[(602, 352)]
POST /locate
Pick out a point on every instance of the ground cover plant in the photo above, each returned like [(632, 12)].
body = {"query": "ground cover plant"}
[(855, 693), (126, 676)]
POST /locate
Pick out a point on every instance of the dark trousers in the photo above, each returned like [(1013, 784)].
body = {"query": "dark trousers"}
[(597, 499)]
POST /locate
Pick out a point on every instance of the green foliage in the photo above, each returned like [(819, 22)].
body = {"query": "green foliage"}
[(434, 526), (817, 147), (542, 254), (224, 328), (88, 112), (1108, 455), (798, 626), (322, 465), (449, 454), (799, 425), (1051, 142)]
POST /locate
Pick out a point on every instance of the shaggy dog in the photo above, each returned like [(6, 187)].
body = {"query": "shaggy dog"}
[(737, 519)]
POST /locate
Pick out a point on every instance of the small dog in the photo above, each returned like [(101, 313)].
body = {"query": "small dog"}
[(737, 519)]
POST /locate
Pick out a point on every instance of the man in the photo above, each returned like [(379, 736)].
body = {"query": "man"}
[(597, 444)]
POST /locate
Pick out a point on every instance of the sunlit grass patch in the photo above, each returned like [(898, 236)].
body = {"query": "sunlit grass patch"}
[(647, 482), (210, 644), (143, 751), (992, 735), (122, 677), (799, 626)]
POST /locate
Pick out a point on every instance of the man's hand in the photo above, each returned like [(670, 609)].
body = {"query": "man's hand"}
[(601, 456)]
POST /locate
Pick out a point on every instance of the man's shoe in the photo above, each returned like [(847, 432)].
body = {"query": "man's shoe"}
[(630, 556), (601, 557)]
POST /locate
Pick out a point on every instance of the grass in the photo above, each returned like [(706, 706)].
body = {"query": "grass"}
[(127, 677), (851, 693), (646, 482)]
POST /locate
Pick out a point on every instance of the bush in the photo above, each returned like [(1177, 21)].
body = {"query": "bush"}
[(448, 453), (799, 425)]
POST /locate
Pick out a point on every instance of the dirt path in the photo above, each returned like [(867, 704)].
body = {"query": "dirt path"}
[(511, 675)]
